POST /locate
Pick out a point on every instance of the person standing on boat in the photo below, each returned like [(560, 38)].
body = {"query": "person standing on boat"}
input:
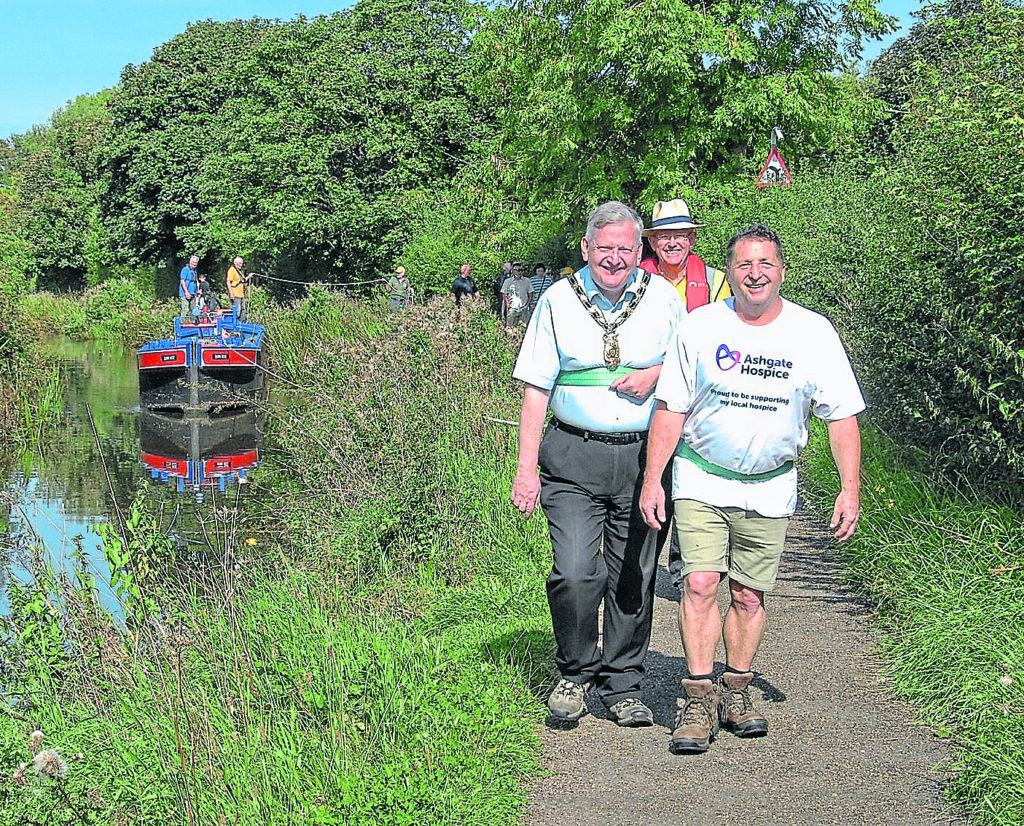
[(207, 297), (236, 279), (188, 281), (593, 353)]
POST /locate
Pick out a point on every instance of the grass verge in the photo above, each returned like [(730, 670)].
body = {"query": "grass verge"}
[(946, 571), (374, 656)]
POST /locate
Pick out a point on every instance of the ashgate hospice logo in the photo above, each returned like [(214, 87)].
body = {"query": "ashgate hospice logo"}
[(759, 366), (726, 358)]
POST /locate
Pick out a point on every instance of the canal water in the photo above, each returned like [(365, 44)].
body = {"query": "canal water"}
[(107, 449)]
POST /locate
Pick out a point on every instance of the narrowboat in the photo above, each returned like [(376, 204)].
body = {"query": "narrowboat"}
[(211, 363)]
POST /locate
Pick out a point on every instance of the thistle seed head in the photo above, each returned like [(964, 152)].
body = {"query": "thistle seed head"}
[(50, 764), (35, 740)]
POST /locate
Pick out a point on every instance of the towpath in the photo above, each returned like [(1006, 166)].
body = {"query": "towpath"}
[(839, 750)]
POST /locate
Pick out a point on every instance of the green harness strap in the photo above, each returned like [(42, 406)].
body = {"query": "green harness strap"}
[(592, 377), (684, 451)]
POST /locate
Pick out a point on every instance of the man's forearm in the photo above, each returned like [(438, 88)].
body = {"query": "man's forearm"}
[(844, 441), (531, 425), (666, 427)]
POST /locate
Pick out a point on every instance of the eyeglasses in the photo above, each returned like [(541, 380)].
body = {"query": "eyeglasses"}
[(668, 235), (623, 251)]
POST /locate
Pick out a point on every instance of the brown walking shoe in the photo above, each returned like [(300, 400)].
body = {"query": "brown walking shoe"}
[(737, 710), (697, 720)]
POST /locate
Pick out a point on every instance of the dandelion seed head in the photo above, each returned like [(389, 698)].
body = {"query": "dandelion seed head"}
[(50, 764), (1006, 680), (35, 740)]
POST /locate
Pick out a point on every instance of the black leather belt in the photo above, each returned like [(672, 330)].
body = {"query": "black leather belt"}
[(629, 438)]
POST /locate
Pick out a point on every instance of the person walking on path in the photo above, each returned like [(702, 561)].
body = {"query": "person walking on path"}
[(236, 279), (739, 384), (517, 292), (672, 235), (464, 286), (188, 282), (593, 353), (399, 290), (539, 281)]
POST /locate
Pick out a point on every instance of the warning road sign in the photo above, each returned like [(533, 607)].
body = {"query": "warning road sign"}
[(774, 171)]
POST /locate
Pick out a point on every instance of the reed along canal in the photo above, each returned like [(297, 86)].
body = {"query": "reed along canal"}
[(107, 449)]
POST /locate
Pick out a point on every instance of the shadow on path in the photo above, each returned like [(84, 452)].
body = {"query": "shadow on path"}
[(839, 749)]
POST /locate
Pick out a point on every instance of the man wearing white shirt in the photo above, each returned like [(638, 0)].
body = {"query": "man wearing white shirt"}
[(592, 352), (739, 385)]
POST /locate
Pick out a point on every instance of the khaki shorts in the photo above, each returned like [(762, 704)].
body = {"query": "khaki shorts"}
[(733, 541)]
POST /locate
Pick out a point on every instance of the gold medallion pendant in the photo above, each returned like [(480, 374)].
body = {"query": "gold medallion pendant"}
[(612, 356)]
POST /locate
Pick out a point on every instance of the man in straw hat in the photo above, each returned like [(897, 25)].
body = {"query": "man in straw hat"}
[(672, 234), (739, 384), (592, 352)]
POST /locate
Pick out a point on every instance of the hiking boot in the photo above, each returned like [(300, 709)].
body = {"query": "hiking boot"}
[(632, 713), (697, 720), (737, 711), (566, 701)]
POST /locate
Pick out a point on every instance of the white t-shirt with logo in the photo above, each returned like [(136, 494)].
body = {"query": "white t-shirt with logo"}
[(748, 392)]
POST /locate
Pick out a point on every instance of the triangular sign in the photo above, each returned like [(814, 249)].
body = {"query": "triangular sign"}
[(774, 171)]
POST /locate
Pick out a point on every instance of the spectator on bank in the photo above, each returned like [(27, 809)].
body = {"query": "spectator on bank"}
[(187, 284), (517, 293), (464, 286), (399, 290)]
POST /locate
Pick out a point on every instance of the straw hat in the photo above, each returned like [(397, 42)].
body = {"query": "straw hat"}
[(673, 214)]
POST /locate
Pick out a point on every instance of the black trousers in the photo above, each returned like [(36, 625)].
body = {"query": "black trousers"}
[(603, 553)]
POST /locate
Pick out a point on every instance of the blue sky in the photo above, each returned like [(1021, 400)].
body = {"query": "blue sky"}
[(55, 50)]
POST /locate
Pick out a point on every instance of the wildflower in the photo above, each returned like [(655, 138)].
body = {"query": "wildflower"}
[(50, 764), (250, 541), (35, 741), (1006, 680), (19, 775)]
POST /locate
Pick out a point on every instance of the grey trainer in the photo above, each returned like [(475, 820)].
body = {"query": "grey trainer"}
[(632, 713), (567, 700), (738, 715), (697, 719)]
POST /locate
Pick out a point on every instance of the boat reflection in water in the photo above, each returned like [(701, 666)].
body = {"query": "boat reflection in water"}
[(197, 452)]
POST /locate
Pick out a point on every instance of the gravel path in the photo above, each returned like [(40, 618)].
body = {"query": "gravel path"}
[(839, 750)]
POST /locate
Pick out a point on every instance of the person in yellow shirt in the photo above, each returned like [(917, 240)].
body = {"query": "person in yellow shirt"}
[(672, 235), (236, 279)]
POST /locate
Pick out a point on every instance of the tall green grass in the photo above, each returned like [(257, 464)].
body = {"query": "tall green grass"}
[(111, 311), (946, 570), (370, 650)]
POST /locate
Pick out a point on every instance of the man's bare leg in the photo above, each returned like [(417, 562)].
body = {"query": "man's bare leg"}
[(700, 622), (744, 626)]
